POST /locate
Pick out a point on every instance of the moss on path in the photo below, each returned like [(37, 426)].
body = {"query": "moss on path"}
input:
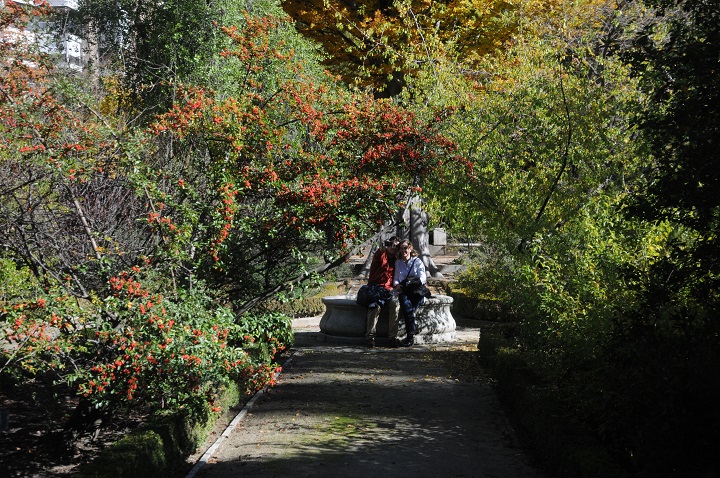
[(354, 412)]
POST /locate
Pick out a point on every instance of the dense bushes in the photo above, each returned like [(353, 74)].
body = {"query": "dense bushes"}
[(630, 359), (132, 253), (139, 348), (149, 220), (593, 188)]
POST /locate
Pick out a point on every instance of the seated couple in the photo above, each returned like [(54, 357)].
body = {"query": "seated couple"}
[(391, 266)]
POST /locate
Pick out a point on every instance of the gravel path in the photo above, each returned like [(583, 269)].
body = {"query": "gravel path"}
[(349, 411)]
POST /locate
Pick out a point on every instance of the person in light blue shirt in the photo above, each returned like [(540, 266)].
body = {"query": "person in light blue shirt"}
[(408, 265)]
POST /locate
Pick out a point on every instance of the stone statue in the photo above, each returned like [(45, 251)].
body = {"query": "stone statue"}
[(409, 223), (416, 222)]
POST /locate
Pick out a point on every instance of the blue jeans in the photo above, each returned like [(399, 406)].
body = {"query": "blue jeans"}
[(408, 308)]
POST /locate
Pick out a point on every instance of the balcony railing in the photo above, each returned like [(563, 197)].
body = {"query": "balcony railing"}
[(71, 4), (66, 48)]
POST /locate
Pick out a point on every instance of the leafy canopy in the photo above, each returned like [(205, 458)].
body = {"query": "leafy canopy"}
[(378, 43)]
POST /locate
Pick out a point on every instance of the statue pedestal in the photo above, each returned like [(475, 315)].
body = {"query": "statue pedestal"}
[(344, 321)]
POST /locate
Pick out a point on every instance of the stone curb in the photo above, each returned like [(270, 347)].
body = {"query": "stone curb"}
[(306, 322), (205, 458)]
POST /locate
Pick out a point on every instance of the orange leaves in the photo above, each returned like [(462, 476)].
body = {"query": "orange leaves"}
[(308, 98), (125, 284), (226, 214), (185, 115), (32, 149), (251, 43), (378, 44), (353, 37), (393, 141), (283, 164), (371, 42)]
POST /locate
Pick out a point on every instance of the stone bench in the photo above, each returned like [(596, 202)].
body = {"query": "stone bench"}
[(344, 321)]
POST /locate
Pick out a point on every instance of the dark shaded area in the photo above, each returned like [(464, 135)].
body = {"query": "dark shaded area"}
[(37, 442)]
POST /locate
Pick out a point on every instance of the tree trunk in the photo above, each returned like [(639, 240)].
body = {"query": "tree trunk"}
[(365, 271), (414, 226)]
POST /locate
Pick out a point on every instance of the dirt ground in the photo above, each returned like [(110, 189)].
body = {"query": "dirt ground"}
[(35, 444), (351, 411)]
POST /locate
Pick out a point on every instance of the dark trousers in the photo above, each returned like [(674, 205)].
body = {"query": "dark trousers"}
[(408, 307)]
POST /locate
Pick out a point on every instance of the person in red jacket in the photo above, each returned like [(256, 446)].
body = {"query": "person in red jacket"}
[(381, 273)]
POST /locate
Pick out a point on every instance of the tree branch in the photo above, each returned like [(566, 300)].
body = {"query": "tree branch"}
[(563, 166), (252, 303)]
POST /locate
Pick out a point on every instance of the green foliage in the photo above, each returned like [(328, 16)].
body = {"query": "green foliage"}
[(169, 355), (268, 333), (546, 139), (668, 343), (626, 352), (257, 189), (617, 314), (160, 447), (675, 56), (543, 140), (260, 172), (124, 226), (137, 455), (305, 303), (15, 282), (575, 322), (383, 45), (149, 41), (42, 330)]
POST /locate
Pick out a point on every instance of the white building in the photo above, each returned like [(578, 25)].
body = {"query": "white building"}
[(52, 35)]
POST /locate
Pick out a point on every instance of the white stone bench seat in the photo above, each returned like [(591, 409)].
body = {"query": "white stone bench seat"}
[(344, 321)]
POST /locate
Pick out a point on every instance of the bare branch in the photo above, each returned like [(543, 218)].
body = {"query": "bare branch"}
[(252, 303)]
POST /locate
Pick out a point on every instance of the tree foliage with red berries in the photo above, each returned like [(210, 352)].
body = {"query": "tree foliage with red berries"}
[(282, 176), (135, 240)]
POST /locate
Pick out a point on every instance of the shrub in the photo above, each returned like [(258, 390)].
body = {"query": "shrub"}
[(139, 349)]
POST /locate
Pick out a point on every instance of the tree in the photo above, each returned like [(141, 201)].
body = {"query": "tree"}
[(138, 238), (617, 288), (550, 141), (147, 46), (322, 166), (676, 57), (56, 160), (379, 43)]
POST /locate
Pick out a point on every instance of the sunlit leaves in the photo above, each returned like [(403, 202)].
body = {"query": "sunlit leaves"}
[(378, 44), (545, 135), (286, 167)]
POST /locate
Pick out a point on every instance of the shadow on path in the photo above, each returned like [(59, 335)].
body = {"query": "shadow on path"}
[(349, 411)]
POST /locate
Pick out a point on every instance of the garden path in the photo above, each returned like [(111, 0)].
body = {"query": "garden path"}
[(350, 411)]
